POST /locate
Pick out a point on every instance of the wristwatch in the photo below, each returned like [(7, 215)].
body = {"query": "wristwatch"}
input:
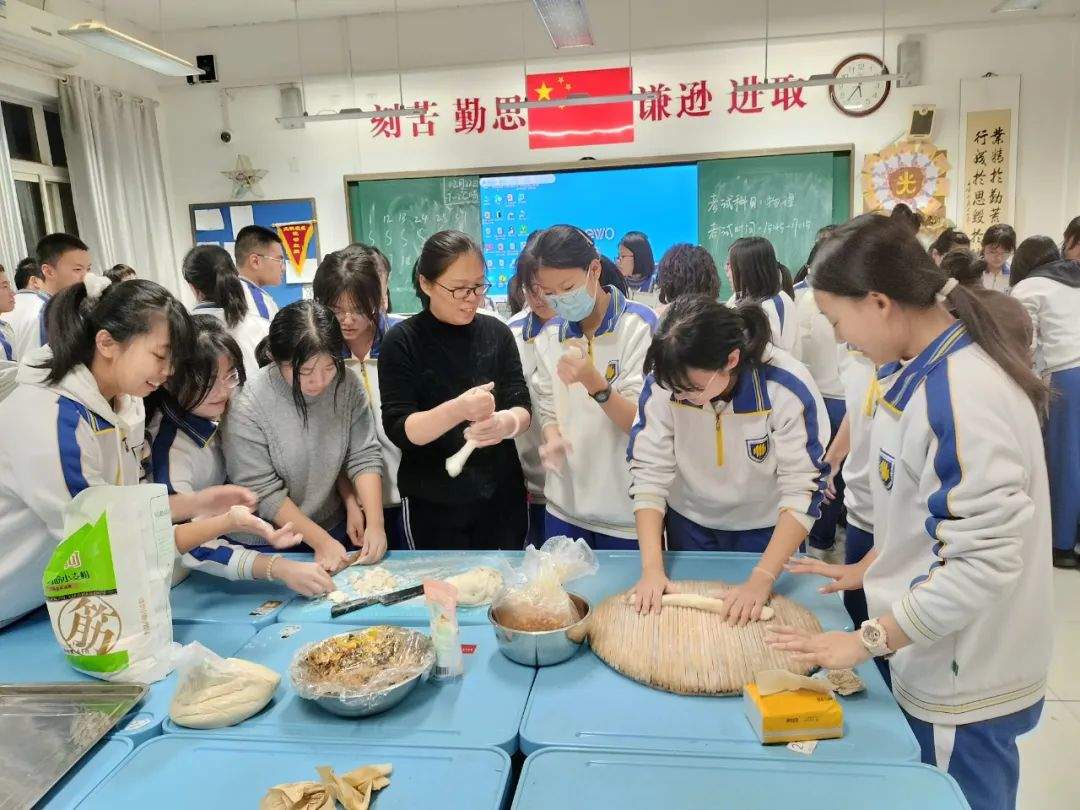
[(603, 395), (874, 638)]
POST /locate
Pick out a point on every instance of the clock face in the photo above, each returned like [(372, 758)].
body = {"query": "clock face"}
[(864, 98)]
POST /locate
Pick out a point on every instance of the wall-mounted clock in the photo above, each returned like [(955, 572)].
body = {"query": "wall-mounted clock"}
[(858, 100)]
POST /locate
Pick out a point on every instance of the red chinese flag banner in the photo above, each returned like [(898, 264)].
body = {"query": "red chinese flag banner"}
[(583, 125), (296, 236)]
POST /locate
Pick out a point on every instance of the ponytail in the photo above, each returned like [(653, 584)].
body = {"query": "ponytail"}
[(873, 254), (125, 310), (209, 269), (697, 332)]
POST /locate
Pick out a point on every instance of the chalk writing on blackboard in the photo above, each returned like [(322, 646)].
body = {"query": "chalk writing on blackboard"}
[(461, 190)]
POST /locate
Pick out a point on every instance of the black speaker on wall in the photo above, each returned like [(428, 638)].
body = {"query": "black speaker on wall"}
[(205, 63)]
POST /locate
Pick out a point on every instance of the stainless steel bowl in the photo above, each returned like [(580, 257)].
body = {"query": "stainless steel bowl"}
[(381, 700), (542, 648)]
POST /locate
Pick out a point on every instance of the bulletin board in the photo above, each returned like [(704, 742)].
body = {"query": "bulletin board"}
[(218, 223)]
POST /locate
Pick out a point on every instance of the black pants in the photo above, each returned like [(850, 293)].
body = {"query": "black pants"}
[(498, 523)]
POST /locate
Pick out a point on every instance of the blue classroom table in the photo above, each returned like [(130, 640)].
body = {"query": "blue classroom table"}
[(584, 779), (583, 702), (481, 709), (206, 599), (98, 763), (32, 655), (185, 771)]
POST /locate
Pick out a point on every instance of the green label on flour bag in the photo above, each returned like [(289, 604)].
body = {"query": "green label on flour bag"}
[(81, 575)]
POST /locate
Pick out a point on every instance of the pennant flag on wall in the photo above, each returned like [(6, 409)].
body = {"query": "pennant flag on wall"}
[(296, 236), (588, 124)]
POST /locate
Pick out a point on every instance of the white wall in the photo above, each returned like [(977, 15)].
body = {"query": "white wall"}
[(313, 161)]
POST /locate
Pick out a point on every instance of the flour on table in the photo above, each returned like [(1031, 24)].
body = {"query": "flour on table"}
[(372, 581)]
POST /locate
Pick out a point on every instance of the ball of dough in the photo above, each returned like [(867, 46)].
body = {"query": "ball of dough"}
[(215, 696), (477, 586)]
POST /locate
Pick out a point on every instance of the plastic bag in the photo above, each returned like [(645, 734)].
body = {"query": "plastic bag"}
[(107, 583), (533, 597), (358, 666), (441, 598), (214, 692)]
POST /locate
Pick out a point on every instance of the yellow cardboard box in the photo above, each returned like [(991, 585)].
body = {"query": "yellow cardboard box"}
[(793, 716)]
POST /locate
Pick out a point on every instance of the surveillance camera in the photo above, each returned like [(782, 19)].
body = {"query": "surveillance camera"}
[(225, 136)]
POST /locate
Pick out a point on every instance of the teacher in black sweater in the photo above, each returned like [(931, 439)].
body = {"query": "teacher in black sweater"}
[(447, 375)]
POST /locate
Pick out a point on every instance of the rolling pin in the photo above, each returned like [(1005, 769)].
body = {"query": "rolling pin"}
[(456, 463)]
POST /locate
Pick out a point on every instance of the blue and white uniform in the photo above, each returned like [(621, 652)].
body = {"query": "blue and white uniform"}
[(27, 322), (962, 528), (1051, 296), (816, 348), (259, 300), (860, 398), (7, 342), (367, 371), (997, 281), (724, 472), (247, 334), (68, 438), (589, 497), (783, 320), (185, 456), (526, 328)]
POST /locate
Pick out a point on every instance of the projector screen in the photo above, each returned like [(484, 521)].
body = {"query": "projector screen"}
[(605, 203)]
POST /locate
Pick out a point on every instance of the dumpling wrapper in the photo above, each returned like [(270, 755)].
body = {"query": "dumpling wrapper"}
[(298, 796), (353, 790)]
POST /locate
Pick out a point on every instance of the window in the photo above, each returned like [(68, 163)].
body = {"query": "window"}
[(56, 139), (39, 163)]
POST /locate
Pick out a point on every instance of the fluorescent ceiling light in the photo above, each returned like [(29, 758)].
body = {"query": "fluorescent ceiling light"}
[(574, 101), (566, 21), (1016, 5), (95, 34), (819, 80), (350, 114)]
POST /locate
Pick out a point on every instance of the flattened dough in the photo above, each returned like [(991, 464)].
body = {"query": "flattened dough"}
[(373, 581), (477, 586), (211, 697), (337, 597)]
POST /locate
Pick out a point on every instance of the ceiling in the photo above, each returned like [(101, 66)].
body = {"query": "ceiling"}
[(179, 15)]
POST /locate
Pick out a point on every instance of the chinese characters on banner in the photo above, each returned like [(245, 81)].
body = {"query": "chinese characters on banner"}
[(694, 98), (296, 236), (986, 171)]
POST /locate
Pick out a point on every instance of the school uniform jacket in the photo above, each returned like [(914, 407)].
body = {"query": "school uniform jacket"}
[(526, 328), (259, 300), (592, 489), (816, 346), (860, 397), (27, 322), (247, 334), (734, 465), (185, 456), (784, 321), (7, 340), (367, 371), (1051, 296), (962, 524), (58, 440)]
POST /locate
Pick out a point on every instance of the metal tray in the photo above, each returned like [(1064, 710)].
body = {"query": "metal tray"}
[(46, 728)]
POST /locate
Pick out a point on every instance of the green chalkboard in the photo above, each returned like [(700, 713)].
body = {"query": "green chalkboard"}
[(785, 198), (399, 215)]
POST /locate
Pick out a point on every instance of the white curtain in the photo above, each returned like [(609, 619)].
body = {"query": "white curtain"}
[(12, 241), (117, 178)]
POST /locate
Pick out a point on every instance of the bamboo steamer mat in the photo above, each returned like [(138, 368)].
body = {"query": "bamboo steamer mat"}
[(692, 652)]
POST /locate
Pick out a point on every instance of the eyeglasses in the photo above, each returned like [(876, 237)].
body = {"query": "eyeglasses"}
[(342, 314), (229, 381), (461, 293), (279, 259)]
